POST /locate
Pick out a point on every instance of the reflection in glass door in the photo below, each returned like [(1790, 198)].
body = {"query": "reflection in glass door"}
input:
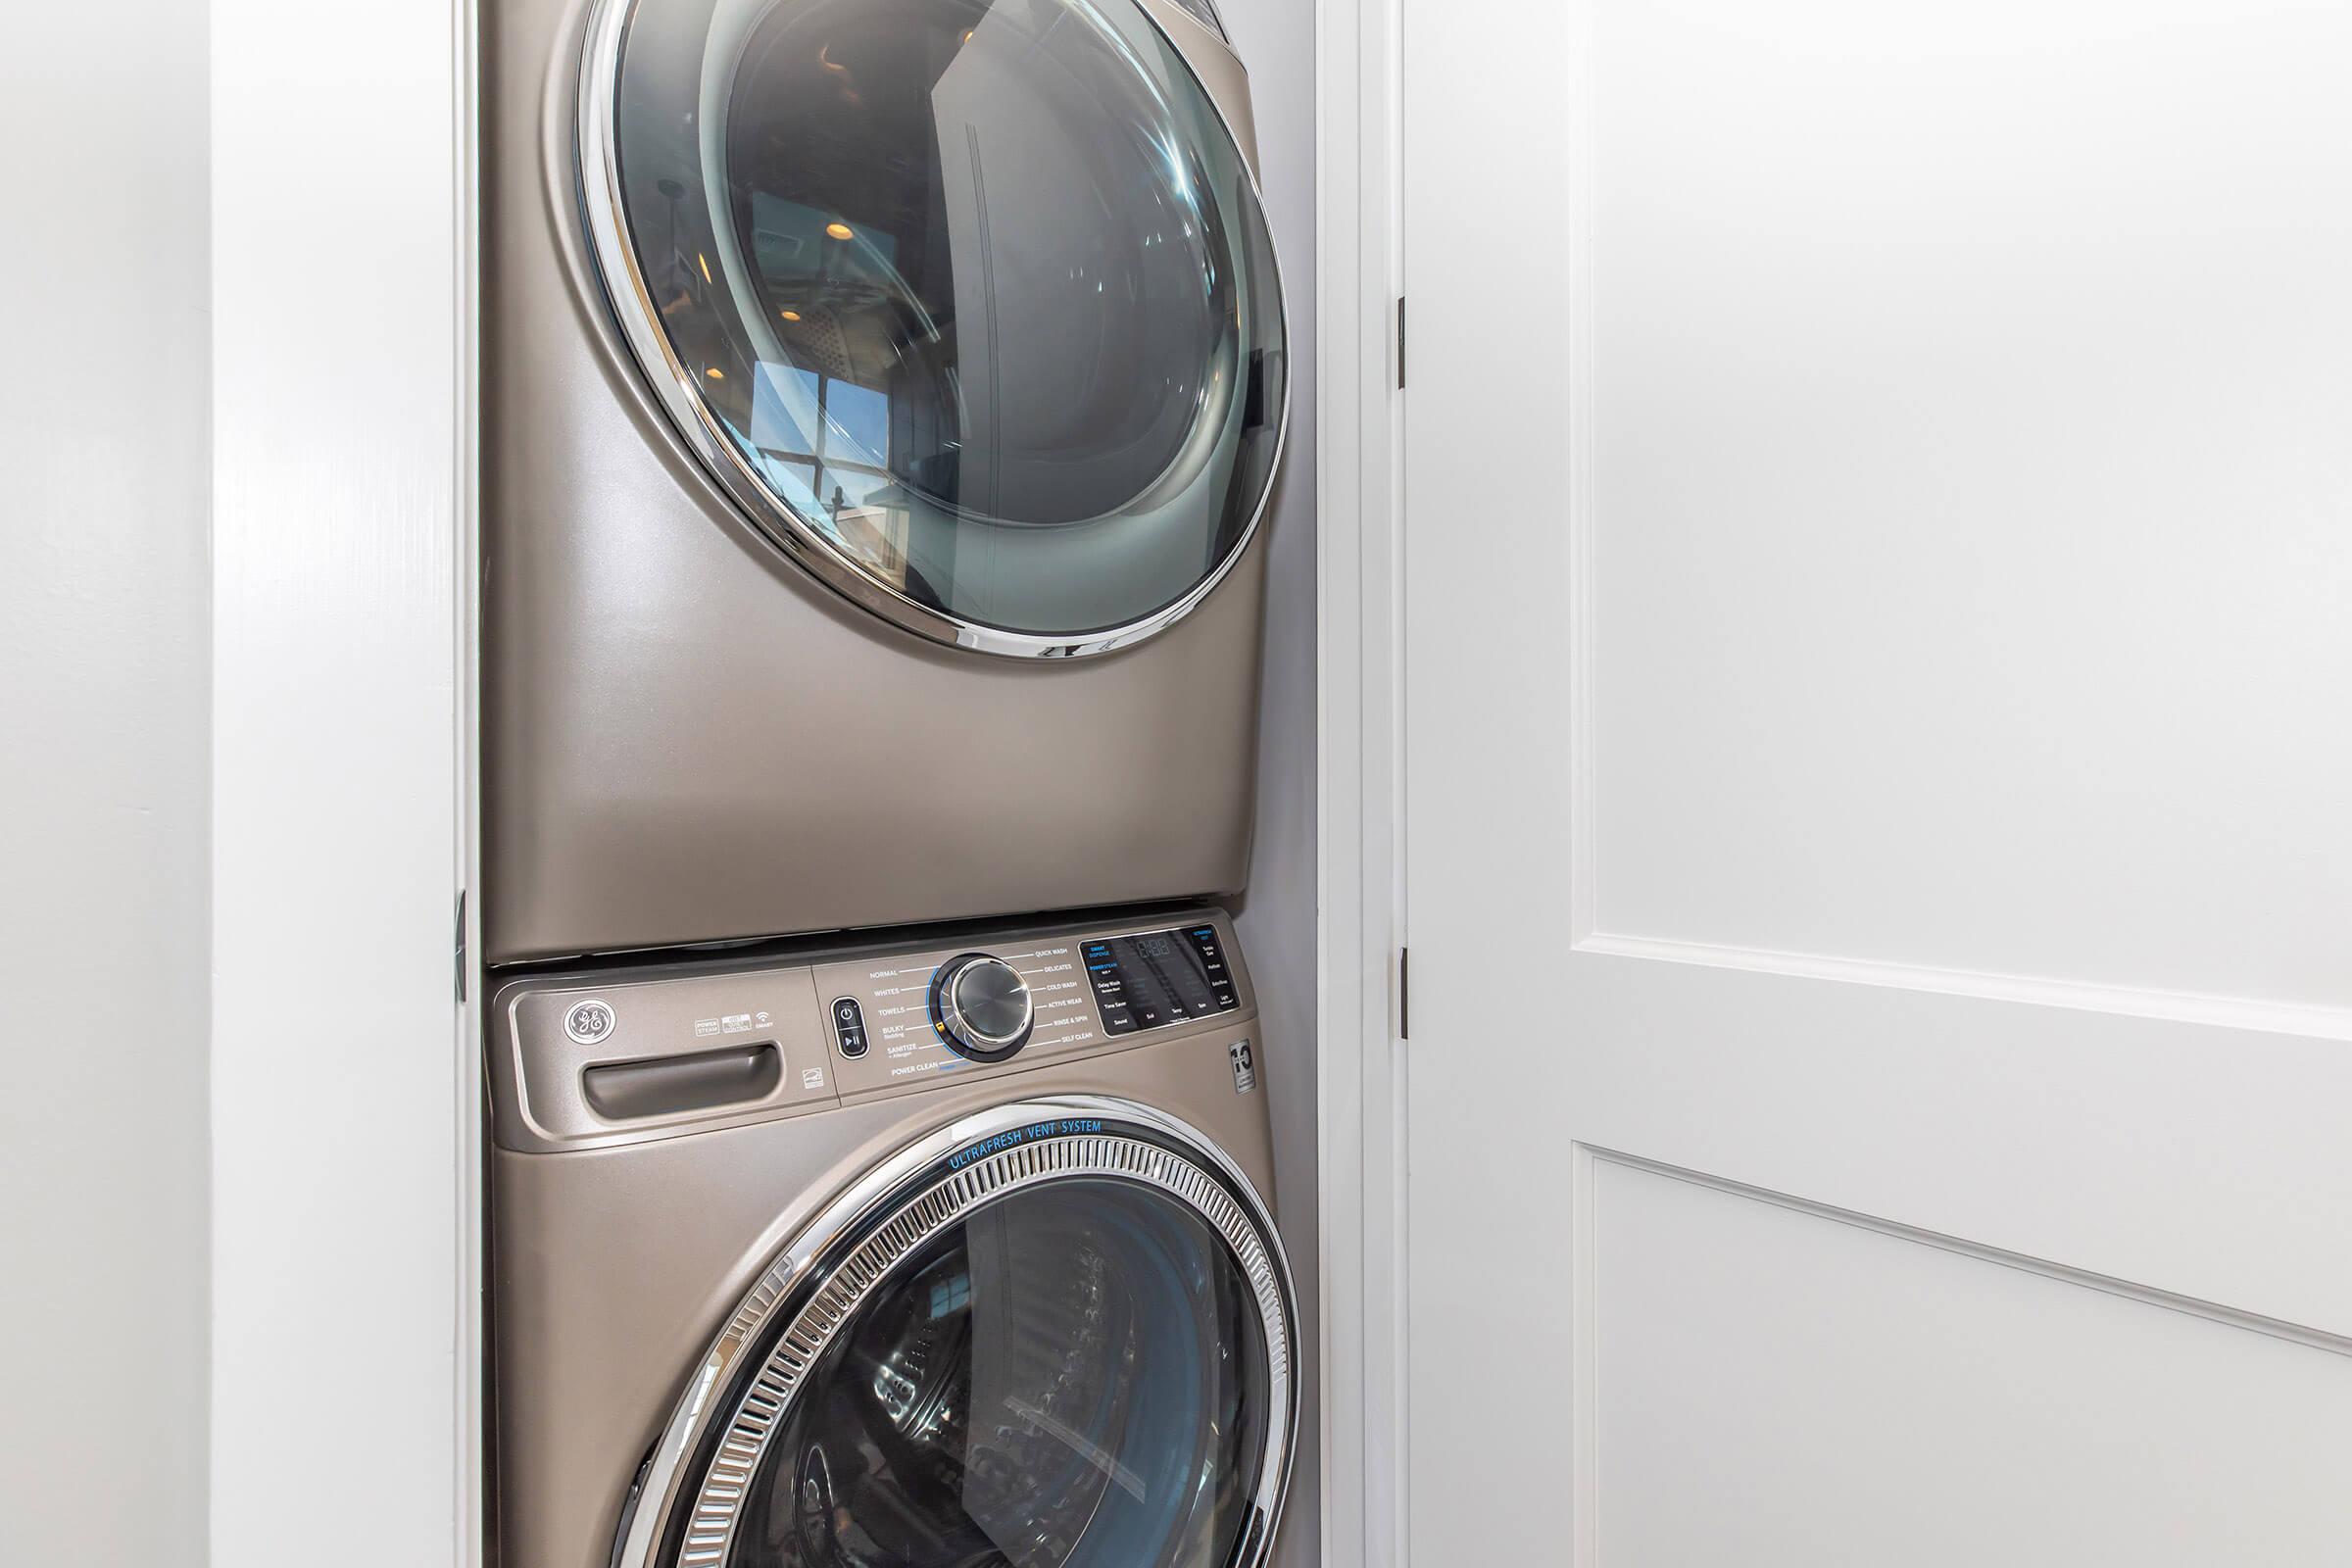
[(975, 296)]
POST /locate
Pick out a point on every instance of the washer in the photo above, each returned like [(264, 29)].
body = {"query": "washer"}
[(880, 397), (943, 1256)]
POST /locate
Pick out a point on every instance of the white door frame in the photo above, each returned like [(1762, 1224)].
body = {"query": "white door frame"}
[(346, 1089), (1360, 1061)]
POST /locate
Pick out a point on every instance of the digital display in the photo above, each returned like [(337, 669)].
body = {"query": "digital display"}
[(1159, 978)]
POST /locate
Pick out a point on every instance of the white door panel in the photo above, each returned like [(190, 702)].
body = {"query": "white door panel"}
[(1879, 628), (1968, 418), (2198, 1160), (1839, 1395)]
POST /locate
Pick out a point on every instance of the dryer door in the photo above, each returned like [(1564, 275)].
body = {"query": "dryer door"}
[(1061, 1339), (968, 304)]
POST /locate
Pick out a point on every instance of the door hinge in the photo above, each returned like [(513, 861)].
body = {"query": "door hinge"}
[(461, 943), (1399, 342), (1405, 993)]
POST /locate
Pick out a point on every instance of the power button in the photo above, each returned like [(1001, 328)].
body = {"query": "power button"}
[(849, 1027)]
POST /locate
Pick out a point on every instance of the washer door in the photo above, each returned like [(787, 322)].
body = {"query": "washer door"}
[(1060, 1339), (969, 304)]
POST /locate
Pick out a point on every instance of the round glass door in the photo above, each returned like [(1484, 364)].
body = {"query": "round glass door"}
[(1059, 1380), (969, 304), (1065, 1345)]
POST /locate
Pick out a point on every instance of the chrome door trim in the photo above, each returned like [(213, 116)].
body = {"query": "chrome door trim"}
[(597, 176), (851, 1247)]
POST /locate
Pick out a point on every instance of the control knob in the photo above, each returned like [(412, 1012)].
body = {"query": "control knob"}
[(981, 1006)]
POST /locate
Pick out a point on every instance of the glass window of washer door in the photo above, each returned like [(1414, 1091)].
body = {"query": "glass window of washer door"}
[(975, 296), (1072, 1377)]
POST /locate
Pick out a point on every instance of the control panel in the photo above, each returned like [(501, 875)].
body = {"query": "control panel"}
[(932, 1012), (1158, 978), (605, 1056)]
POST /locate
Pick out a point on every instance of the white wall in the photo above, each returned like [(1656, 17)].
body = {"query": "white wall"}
[(1276, 39), (104, 801)]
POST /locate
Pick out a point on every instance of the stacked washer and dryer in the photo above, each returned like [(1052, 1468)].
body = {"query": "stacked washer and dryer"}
[(880, 400)]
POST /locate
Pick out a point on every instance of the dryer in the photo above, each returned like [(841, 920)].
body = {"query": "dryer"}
[(880, 397), (930, 1258)]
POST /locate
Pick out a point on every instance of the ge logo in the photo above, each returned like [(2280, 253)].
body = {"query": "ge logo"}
[(588, 1022)]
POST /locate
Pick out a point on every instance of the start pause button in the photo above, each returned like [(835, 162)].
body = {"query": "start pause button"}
[(849, 1027)]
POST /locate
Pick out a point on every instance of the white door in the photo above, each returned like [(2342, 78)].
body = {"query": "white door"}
[(1879, 782)]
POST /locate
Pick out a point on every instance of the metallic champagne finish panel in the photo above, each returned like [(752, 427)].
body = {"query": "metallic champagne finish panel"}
[(614, 1266), (904, 1051), (539, 1089), (686, 738), (549, 1032)]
